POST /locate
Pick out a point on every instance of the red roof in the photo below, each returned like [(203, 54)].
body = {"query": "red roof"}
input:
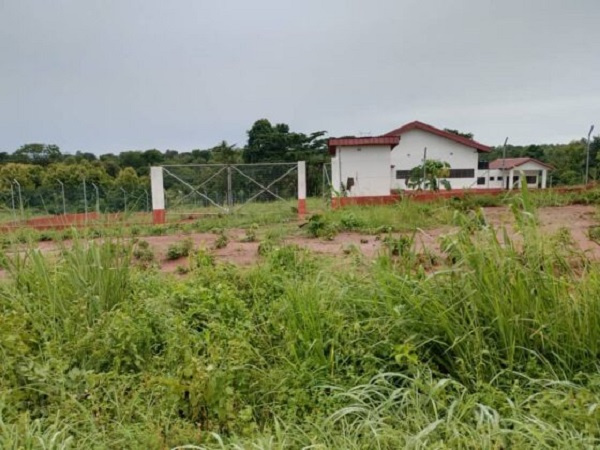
[(416, 125), (392, 141), (511, 163)]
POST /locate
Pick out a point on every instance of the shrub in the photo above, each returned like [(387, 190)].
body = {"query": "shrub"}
[(180, 249), (349, 221), (250, 233), (319, 226), (143, 253), (398, 245), (222, 240)]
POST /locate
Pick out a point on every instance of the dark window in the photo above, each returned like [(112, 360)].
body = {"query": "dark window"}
[(515, 179), (454, 173), (349, 183), (531, 179), (462, 173), (492, 178), (483, 165), (480, 180), (402, 174), (499, 178)]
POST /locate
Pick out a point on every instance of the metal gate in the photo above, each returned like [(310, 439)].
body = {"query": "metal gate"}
[(228, 188)]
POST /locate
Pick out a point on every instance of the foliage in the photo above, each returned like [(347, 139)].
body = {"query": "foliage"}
[(319, 226), (222, 239), (143, 253), (268, 142), (180, 249), (429, 176), (495, 349), (459, 133)]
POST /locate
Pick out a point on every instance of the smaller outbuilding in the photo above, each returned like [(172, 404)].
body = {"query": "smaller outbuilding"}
[(506, 173), (361, 166)]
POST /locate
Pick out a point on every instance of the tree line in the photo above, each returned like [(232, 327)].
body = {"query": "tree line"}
[(41, 171)]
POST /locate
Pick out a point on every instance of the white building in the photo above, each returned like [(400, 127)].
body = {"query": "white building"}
[(420, 141), (361, 166), (377, 166), (506, 173)]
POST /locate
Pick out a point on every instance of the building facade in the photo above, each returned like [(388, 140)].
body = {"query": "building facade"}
[(380, 165)]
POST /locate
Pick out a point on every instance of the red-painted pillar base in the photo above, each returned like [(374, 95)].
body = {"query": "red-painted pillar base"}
[(301, 206), (158, 216)]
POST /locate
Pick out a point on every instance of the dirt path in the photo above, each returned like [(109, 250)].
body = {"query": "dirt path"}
[(576, 218)]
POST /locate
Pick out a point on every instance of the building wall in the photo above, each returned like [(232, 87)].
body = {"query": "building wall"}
[(530, 169), (369, 167), (409, 154)]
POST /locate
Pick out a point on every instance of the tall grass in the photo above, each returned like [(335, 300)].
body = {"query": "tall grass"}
[(495, 348)]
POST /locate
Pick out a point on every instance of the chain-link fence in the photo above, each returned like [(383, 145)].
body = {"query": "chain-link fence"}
[(208, 188), (19, 203)]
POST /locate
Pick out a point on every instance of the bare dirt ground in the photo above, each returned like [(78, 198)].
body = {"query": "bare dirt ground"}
[(576, 218)]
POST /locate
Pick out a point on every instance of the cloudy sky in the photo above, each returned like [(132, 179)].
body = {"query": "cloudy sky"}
[(112, 75)]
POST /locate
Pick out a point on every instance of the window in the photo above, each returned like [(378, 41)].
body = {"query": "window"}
[(499, 178), (483, 165), (349, 183), (492, 178), (462, 173), (480, 180), (454, 173), (531, 179)]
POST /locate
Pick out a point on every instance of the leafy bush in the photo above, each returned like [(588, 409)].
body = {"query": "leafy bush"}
[(222, 240), (143, 253), (350, 221), (250, 233), (319, 226), (398, 245), (180, 249)]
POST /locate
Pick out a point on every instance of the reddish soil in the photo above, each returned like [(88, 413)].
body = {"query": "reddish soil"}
[(576, 218)]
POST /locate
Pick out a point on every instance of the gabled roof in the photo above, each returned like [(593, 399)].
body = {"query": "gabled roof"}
[(416, 125), (511, 163), (392, 141)]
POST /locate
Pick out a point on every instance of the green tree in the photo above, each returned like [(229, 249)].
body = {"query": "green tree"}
[(225, 153), (429, 176), (276, 143), (36, 153), (128, 179), (27, 175), (459, 133)]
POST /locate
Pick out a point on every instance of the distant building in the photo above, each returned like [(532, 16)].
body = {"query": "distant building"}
[(374, 166), (460, 152), (506, 173)]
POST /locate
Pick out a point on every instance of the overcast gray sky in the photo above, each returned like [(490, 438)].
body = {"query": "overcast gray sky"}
[(113, 75)]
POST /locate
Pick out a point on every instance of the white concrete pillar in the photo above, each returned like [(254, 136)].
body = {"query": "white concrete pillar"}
[(158, 195), (544, 176), (301, 187), (510, 179)]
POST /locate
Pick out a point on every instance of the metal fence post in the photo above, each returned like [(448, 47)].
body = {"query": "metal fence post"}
[(229, 193), (12, 197), (64, 204), (85, 206), (147, 200), (97, 199), (20, 198), (124, 200)]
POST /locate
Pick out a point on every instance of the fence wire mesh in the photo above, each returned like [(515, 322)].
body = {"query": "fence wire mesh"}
[(218, 188), (205, 188), (21, 203)]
